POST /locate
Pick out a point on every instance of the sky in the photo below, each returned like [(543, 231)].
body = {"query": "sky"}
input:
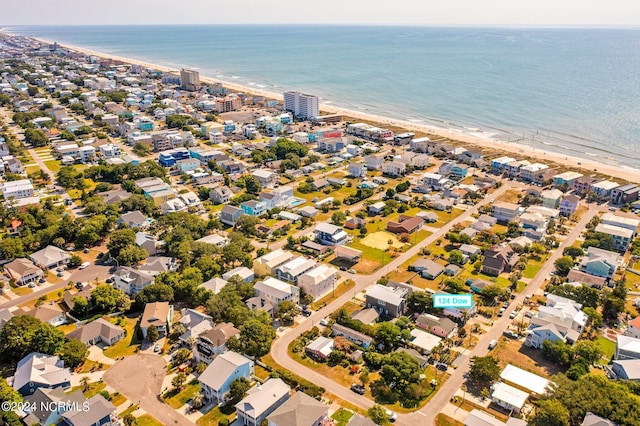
[(388, 12)]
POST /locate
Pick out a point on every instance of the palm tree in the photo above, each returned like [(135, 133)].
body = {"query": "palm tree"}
[(85, 383), (198, 400)]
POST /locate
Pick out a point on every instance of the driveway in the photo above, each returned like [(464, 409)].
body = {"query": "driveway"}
[(139, 378)]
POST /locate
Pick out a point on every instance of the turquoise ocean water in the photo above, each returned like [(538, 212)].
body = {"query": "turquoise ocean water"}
[(574, 91)]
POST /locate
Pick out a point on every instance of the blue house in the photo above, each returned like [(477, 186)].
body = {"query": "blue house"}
[(254, 208), (459, 171), (224, 369), (166, 160), (38, 370), (229, 126), (330, 235)]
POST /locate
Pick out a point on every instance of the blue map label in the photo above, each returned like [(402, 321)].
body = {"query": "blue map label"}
[(452, 300)]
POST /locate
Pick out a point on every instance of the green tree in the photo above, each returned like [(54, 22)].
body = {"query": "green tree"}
[(378, 414), (75, 261), (388, 334), (550, 413), (484, 370), (338, 218), (572, 251), (179, 380), (419, 302), (24, 334), (256, 337), (612, 307), (594, 316), (142, 149), (153, 334), (131, 255), (588, 350), (120, 239), (8, 394), (563, 265), (287, 311), (157, 292), (456, 256), (73, 353), (106, 298), (80, 305), (557, 351), (238, 388), (252, 184)]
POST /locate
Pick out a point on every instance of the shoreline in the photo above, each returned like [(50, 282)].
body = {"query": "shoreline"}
[(518, 151)]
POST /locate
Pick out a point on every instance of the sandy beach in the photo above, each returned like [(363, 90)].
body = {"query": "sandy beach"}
[(518, 151)]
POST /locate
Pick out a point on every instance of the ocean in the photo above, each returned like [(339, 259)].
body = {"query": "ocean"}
[(572, 91)]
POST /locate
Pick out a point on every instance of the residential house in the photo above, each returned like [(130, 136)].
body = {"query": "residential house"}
[(508, 397), (5, 316), (424, 342), (622, 221), (505, 212), (513, 168), (394, 168), (356, 337), (267, 178), (213, 342), (131, 281), (266, 264), (385, 300), (499, 260), (626, 348), (50, 313), (459, 171), (224, 369), (622, 237), (633, 328), (148, 242), (583, 278), (584, 184), (530, 173), (99, 412), (600, 263), (50, 257), (320, 348), (214, 285), (329, 234), (603, 188), (215, 240), (220, 195), (318, 281), (622, 194), (254, 208), (275, 291), (355, 223), (366, 316), (499, 164), (567, 310), (300, 410), (229, 215), (376, 208), (97, 331), (158, 314), (242, 272), (566, 178), (261, 401), (38, 370), (23, 271), (405, 224), (134, 219), (551, 197), (478, 285), (427, 268), (156, 189), (569, 204), (442, 327), (469, 250), (374, 161)]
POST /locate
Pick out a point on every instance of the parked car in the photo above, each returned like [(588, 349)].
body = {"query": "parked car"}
[(392, 416), (501, 312), (493, 344), (360, 390), (84, 265), (510, 334), (351, 271), (442, 366), (324, 322), (156, 348)]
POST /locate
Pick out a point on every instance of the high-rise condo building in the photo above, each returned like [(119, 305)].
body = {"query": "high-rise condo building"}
[(303, 106), (189, 79)]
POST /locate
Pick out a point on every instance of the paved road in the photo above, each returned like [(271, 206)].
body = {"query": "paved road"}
[(428, 413), (279, 349), (85, 275), (139, 378)]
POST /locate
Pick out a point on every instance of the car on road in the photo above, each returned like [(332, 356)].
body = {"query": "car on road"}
[(307, 312), (493, 344), (324, 322), (513, 314), (351, 271), (501, 312), (156, 348), (360, 390), (392, 416), (84, 265)]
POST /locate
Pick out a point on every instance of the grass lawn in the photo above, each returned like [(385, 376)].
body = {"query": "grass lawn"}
[(445, 217), (531, 270), (130, 343), (178, 399), (118, 399), (131, 409), (21, 291), (530, 359), (340, 290), (261, 373), (511, 196), (53, 165), (52, 296), (216, 414), (92, 390), (89, 366), (342, 416), (607, 346), (148, 420), (444, 420)]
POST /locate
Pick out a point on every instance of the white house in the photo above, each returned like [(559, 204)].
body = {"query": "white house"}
[(261, 401), (275, 291), (224, 369), (318, 281)]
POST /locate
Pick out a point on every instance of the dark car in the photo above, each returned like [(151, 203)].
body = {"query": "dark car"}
[(510, 334), (442, 366), (307, 312), (360, 390)]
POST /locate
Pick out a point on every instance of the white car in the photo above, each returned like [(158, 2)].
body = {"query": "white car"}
[(84, 265), (392, 416), (324, 322)]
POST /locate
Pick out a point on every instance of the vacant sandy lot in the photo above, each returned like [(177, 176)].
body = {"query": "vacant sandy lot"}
[(380, 240)]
